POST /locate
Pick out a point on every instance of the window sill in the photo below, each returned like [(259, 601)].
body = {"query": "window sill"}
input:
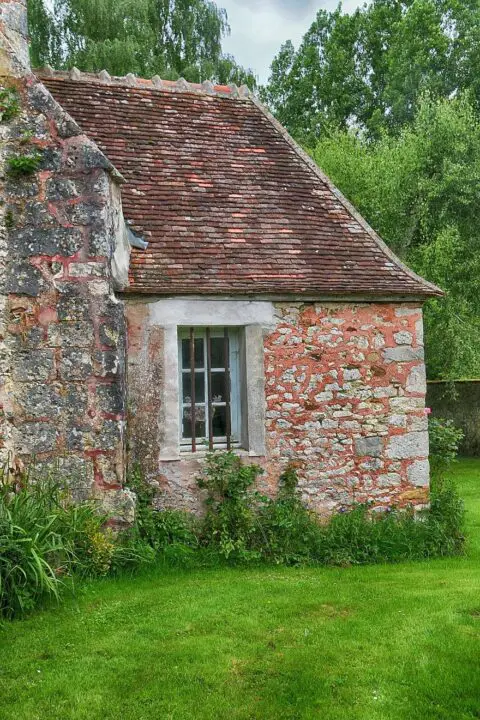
[(201, 454)]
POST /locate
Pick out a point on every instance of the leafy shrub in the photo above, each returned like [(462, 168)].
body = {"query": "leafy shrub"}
[(288, 532), (230, 524), (93, 543), (445, 439)]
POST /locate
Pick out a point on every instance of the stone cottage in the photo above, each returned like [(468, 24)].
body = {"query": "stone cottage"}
[(176, 274)]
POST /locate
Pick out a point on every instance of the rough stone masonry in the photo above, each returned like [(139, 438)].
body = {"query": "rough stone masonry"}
[(343, 396), (345, 400), (62, 392)]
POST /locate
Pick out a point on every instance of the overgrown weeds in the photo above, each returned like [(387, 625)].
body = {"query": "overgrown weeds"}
[(46, 539), (282, 530), (243, 526)]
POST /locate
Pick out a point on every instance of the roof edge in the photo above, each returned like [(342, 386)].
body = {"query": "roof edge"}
[(181, 85), (43, 99), (429, 288), (132, 293)]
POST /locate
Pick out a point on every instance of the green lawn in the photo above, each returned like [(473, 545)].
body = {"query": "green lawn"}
[(373, 642)]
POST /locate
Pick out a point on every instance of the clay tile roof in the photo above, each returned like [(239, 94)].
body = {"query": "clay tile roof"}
[(227, 201)]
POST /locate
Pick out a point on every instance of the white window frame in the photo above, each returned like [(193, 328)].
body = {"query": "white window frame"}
[(235, 387), (254, 318)]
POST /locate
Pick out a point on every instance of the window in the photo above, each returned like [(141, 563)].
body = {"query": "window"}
[(210, 407)]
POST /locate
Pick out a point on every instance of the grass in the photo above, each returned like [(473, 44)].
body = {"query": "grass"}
[(379, 642)]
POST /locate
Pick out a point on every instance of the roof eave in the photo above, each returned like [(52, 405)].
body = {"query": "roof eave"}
[(133, 292)]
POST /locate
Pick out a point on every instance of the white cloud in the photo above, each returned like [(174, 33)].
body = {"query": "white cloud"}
[(259, 27)]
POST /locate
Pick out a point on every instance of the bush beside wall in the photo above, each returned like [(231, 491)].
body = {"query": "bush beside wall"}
[(459, 402)]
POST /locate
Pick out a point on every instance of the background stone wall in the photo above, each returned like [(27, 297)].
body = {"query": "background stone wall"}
[(62, 351), (458, 401)]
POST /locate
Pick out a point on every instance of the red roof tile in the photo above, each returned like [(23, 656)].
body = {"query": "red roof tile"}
[(228, 202)]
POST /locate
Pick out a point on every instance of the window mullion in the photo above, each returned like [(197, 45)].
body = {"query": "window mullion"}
[(228, 408), (209, 386), (193, 419)]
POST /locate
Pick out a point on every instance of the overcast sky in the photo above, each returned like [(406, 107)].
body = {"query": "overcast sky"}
[(259, 27)]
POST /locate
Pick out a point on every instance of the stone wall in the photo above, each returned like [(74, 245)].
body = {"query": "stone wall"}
[(343, 397), (62, 337), (345, 401)]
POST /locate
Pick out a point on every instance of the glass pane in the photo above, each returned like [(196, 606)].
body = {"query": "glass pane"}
[(219, 421), (199, 387), (200, 413), (218, 355), (199, 353), (199, 430), (218, 387)]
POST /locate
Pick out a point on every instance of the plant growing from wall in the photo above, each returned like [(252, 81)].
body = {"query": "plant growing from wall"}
[(9, 220), (9, 104), (23, 164)]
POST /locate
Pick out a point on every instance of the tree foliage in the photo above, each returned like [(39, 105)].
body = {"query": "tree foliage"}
[(420, 190), (369, 69), (171, 38)]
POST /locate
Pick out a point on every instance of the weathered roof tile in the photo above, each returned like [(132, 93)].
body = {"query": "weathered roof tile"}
[(227, 201)]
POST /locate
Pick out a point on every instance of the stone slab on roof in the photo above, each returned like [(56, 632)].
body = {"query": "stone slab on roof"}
[(229, 204)]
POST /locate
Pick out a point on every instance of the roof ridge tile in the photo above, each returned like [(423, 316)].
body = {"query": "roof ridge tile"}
[(155, 83), (74, 74), (104, 76)]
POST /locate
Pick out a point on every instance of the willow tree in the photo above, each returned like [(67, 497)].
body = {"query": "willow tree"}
[(171, 38)]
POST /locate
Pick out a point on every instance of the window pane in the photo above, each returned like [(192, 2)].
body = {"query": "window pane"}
[(219, 421), (199, 387), (218, 355), (199, 430), (200, 413), (199, 353), (218, 387)]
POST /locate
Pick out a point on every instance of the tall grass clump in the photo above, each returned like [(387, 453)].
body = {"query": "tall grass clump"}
[(33, 553), (46, 540)]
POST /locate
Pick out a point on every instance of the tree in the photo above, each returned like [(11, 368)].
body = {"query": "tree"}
[(171, 38), (44, 39), (370, 68), (421, 192)]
